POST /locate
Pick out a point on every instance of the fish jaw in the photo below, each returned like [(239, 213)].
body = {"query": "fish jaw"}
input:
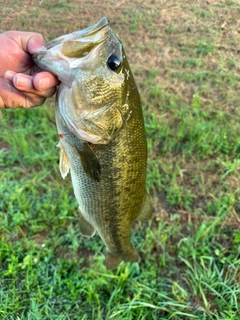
[(64, 55), (87, 32), (54, 62)]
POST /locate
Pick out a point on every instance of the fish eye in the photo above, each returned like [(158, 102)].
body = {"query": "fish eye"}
[(114, 63)]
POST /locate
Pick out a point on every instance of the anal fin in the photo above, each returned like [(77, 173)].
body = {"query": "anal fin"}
[(146, 211)]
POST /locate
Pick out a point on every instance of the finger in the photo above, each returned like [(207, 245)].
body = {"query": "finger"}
[(13, 98), (44, 80), (8, 76), (24, 83), (30, 42), (36, 43), (33, 100)]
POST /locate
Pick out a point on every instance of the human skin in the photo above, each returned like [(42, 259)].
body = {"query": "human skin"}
[(22, 83)]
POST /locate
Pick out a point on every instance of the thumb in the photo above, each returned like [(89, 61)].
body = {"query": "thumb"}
[(30, 42), (36, 43)]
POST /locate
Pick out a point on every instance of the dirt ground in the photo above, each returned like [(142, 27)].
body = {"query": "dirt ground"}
[(153, 31), (155, 34)]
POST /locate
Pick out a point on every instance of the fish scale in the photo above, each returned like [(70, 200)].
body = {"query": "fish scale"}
[(102, 140)]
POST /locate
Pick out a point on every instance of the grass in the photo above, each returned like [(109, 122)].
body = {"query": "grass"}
[(185, 59)]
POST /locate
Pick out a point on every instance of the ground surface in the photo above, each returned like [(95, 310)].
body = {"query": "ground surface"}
[(185, 58)]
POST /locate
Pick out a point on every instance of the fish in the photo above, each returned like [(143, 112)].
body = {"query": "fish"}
[(102, 139)]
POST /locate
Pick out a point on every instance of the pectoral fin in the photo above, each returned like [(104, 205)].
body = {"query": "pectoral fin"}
[(90, 162), (64, 164), (146, 211)]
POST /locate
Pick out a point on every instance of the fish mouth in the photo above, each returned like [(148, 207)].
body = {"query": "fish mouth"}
[(86, 35), (74, 45)]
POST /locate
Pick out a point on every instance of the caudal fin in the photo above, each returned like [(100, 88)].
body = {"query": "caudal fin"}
[(113, 259)]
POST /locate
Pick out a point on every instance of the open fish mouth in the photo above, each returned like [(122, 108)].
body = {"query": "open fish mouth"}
[(87, 35), (77, 44)]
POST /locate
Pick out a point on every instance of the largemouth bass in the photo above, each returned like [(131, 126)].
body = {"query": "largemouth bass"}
[(102, 140)]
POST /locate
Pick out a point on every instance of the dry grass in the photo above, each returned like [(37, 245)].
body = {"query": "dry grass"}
[(185, 58)]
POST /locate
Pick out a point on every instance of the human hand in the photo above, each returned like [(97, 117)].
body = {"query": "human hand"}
[(22, 83)]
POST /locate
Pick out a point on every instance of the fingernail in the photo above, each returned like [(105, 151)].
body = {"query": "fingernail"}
[(44, 84), (39, 49), (23, 82)]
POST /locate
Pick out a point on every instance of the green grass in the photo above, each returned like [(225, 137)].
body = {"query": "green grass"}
[(186, 63)]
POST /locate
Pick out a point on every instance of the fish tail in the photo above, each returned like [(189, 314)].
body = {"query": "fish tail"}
[(131, 256), (112, 259)]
